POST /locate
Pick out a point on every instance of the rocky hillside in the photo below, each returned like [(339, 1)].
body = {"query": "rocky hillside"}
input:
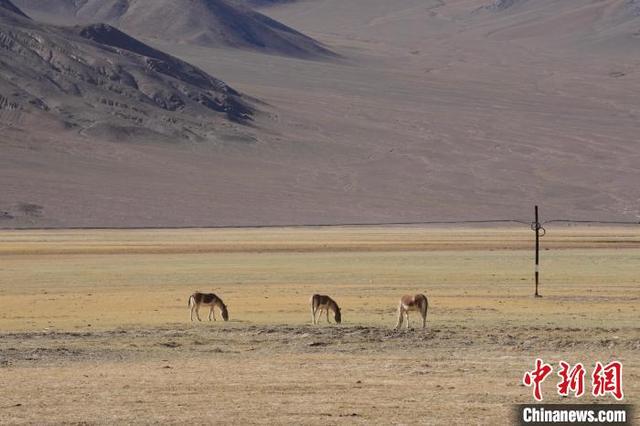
[(205, 22), (98, 80)]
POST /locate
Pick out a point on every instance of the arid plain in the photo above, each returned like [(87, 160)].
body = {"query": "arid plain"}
[(95, 326)]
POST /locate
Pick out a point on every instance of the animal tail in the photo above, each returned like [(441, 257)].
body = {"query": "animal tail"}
[(425, 306), (313, 308), (191, 301)]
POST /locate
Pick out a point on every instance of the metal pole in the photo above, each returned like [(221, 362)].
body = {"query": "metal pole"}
[(537, 231)]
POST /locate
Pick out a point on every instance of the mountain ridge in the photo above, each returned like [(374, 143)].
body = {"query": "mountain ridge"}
[(59, 70), (9, 6), (211, 23)]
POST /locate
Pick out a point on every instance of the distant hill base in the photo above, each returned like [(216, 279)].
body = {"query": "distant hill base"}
[(264, 3)]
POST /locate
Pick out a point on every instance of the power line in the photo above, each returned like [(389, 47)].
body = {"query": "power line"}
[(344, 224), (432, 222), (603, 222)]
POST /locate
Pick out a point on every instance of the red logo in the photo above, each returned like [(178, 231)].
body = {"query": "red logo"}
[(572, 379), (536, 377), (605, 379)]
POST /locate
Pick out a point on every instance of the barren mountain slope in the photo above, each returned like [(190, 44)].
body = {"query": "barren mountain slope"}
[(262, 3), (205, 22), (570, 23), (436, 115), (96, 79), (8, 6), (445, 114)]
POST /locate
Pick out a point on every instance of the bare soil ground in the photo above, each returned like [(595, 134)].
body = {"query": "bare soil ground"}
[(95, 329)]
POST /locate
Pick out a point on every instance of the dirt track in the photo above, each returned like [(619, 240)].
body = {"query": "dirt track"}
[(46, 348)]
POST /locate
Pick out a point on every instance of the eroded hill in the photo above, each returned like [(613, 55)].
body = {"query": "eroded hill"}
[(204, 22), (99, 81)]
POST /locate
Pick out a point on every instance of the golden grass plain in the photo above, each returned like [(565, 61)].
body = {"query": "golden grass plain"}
[(94, 324)]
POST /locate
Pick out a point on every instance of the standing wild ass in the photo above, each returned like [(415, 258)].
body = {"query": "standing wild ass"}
[(198, 299), (320, 302), (412, 303)]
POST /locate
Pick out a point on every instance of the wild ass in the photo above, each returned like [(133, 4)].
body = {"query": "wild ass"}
[(320, 302), (412, 303), (198, 299)]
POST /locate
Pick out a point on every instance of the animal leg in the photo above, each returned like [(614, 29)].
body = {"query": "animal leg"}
[(327, 311), (212, 314), (198, 312), (424, 315), (406, 314), (313, 315), (424, 318), (192, 309), (399, 323)]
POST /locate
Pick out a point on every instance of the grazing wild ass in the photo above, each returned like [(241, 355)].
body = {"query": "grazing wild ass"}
[(412, 303), (207, 299), (320, 302)]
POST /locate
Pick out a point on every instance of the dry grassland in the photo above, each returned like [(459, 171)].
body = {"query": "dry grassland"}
[(94, 324)]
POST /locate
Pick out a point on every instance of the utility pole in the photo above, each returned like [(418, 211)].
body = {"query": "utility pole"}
[(536, 227)]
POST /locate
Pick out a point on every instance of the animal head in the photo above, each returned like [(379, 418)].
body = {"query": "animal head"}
[(225, 313), (338, 316)]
